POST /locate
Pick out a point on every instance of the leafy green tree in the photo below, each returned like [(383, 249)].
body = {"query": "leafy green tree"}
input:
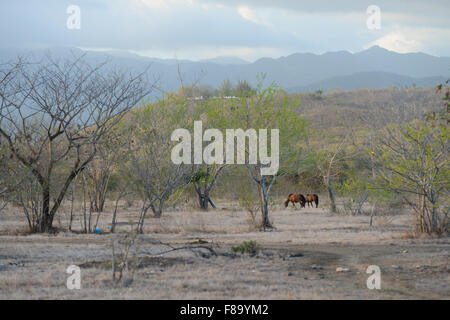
[(413, 163), (266, 108)]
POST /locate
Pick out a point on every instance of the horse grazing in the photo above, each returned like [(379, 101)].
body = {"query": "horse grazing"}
[(295, 198), (310, 198)]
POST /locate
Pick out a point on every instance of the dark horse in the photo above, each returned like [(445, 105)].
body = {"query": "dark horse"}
[(310, 198), (295, 198)]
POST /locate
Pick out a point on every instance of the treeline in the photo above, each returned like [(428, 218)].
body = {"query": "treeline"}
[(226, 89), (70, 134)]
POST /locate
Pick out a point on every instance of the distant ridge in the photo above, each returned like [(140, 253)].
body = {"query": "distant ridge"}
[(299, 72), (372, 80), (224, 60)]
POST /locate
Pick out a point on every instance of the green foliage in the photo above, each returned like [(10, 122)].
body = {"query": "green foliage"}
[(250, 247), (414, 163), (266, 108), (416, 157), (352, 186)]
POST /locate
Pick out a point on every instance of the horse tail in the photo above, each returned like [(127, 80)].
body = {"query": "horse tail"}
[(316, 200)]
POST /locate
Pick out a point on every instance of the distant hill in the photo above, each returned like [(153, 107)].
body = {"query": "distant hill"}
[(372, 68), (224, 60), (370, 80)]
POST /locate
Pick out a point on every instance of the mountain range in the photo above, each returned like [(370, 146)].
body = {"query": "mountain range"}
[(375, 67)]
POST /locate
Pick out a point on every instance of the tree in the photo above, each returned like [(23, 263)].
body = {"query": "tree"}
[(413, 163), (193, 91), (98, 172), (444, 114), (329, 162), (155, 176), (243, 89), (204, 181), (205, 91), (266, 108), (53, 115), (206, 175), (9, 177), (226, 88)]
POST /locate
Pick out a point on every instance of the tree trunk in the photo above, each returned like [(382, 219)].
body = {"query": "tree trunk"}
[(114, 217), (264, 207), (142, 218), (434, 225), (101, 203), (361, 202), (159, 210), (203, 198), (100, 197), (203, 195), (332, 199), (330, 193), (203, 201), (422, 221), (84, 206), (372, 214), (71, 211), (46, 221)]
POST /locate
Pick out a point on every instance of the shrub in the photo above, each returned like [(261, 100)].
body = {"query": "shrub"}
[(249, 247)]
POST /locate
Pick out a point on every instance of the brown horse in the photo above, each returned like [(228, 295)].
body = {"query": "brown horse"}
[(295, 198), (310, 198)]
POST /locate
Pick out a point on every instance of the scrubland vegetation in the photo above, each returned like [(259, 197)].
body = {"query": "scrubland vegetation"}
[(70, 133), (83, 151)]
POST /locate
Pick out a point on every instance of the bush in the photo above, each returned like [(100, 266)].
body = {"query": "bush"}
[(249, 247)]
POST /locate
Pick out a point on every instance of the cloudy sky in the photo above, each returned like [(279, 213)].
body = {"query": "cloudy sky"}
[(250, 29)]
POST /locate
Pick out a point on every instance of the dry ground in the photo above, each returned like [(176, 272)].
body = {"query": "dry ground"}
[(297, 260)]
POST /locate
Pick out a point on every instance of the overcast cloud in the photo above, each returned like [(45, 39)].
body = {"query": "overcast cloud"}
[(250, 29)]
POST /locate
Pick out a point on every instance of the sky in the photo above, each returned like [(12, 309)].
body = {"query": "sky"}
[(249, 29)]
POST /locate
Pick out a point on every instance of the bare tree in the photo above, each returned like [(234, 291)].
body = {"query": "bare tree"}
[(328, 166), (150, 167), (9, 178), (99, 171), (54, 113)]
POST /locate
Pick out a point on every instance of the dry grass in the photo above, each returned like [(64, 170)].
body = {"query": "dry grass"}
[(34, 265), (383, 220)]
